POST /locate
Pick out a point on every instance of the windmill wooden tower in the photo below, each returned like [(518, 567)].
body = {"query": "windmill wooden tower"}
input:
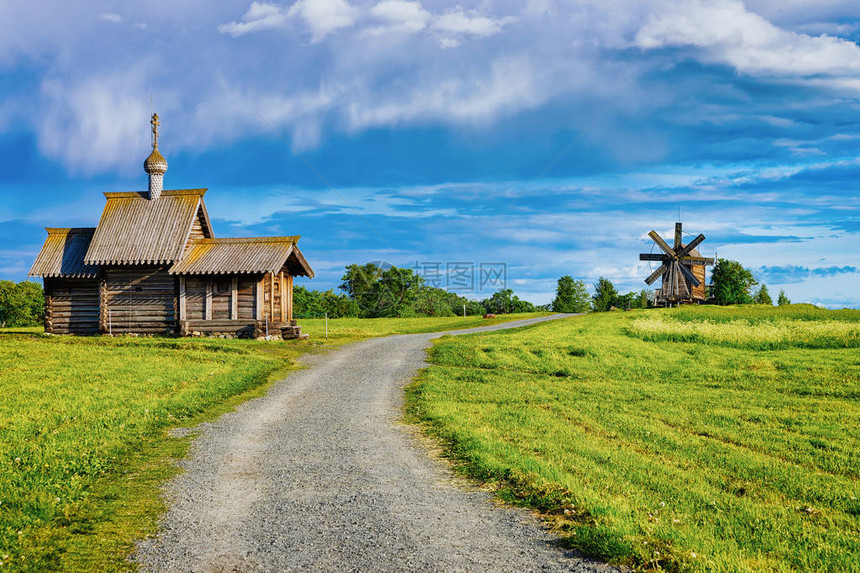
[(682, 268)]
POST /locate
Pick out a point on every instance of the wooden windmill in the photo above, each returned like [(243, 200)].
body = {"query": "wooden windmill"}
[(682, 268)]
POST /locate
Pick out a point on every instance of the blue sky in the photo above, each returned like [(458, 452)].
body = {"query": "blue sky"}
[(547, 135)]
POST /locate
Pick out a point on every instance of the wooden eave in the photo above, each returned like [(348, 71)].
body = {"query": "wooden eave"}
[(62, 255), (251, 255)]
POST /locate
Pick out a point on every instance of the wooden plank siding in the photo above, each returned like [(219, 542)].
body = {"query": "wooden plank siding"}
[(221, 290), (140, 300), (71, 306), (195, 298), (246, 294), (277, 297), (698, 291)]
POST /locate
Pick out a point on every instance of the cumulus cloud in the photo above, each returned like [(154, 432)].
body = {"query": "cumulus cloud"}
[(321, 16), (94, 125), (324, 16), (470, 23), (399, 16), (387, 17), (260, 16), (728, 33)]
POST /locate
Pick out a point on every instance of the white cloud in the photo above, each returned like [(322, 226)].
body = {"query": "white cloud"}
[(510, 85), (260, 16), (94, 125), (470, 23), (729, 33), (110, 17), (321, 16), (401, 16), (324, 16)]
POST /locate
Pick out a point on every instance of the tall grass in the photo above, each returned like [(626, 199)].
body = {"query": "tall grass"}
[(649, 447)]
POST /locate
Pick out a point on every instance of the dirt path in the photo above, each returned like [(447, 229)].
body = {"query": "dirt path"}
[(320, 475)]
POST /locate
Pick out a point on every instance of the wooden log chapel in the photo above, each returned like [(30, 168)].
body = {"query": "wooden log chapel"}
[(154, 266)]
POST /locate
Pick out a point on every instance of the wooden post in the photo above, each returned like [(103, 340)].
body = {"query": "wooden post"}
[(258, 299), (281, 295), (49, 311), (207, 312), (234, 298), (103, 306), (271, 297), (289, 294), (182, 297)]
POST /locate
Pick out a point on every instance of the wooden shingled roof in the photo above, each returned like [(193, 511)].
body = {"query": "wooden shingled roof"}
[(246, 255), (136, 230), (63, 254)]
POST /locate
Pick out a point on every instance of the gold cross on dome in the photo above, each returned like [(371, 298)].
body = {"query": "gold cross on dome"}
[(155, 123)]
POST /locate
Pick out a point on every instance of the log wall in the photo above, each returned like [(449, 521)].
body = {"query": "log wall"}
[(141, 300), (72, 306)]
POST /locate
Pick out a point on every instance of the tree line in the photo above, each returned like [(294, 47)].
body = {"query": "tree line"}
[(732, 283), (370, 291)]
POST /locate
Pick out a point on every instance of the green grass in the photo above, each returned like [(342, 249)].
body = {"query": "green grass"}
[(83, 428), (349, 329), (692, 439)]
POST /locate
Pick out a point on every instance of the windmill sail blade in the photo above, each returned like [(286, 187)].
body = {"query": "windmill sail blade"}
[(661, 243), (677, 236), (652, 257), (691, 245), (656, 274), (697, 260), (690, 276)]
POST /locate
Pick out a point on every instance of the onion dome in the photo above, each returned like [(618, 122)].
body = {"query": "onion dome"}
[(155, 165)]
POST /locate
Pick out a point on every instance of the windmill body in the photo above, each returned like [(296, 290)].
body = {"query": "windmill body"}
[(682, 269)]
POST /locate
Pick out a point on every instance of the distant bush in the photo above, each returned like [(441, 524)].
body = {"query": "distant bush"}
[(21, 304)]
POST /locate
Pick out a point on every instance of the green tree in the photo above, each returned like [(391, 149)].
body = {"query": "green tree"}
[(782, 300), (763, 296), (643, 299), (360, 283), (571, 296), (381, 292), (430, 301), (505, 301), (21, 304), (316, 304), (475, 308), (605, 295), (501, 302), (732, 283)]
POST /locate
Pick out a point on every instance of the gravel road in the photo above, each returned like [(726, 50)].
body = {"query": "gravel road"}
[(321, 475)]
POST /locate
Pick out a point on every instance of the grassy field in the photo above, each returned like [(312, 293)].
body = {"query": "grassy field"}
[(692, 439), (348, 329), (83, 428)]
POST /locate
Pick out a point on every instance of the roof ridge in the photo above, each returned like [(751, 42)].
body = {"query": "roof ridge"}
[(68, 230), (284, 239), (164, 193)]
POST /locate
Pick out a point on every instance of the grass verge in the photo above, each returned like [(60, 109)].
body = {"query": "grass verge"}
[(647, 447)]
